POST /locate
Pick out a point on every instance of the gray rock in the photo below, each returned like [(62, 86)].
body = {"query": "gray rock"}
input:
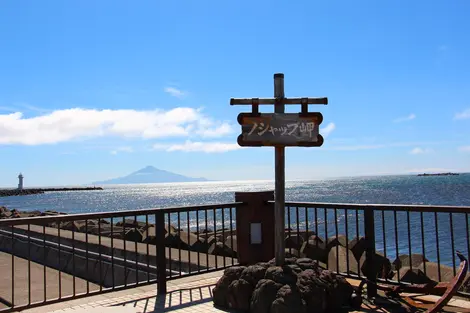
[(338, 259), (283, 275), (405, 260), (294, 241), (264, 295), (220, 291), (239, 295), (288, 300), (253, 274), (315, 250)]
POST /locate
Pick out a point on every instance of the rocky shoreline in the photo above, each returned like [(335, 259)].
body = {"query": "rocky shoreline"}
[(336, 253), (34, 191)]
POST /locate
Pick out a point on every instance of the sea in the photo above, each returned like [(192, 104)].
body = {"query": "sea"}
[(407, 189)]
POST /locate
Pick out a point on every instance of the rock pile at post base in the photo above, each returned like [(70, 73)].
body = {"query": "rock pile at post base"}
[(299, 286)]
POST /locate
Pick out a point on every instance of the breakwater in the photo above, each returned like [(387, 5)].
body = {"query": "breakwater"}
[(33, 191)]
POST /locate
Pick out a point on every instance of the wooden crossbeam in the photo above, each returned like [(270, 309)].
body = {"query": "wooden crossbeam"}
[(262, 101)]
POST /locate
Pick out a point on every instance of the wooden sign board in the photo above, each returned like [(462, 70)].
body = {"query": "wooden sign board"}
[(280, 129)]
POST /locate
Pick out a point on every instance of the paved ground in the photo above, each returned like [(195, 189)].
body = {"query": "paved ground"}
[(186, 295), (36, 285), (192, 294)]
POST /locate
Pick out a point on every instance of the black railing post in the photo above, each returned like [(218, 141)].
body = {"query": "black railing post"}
[(160, 250), (369, 229)]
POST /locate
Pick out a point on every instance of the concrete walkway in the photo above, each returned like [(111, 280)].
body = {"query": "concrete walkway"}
[(190, 294), (186, 295), (36, 284)]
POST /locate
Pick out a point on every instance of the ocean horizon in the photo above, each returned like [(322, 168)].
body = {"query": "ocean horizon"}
[(396, 189)]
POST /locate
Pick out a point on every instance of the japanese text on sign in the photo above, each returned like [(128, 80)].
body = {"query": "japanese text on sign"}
[(287, 130)]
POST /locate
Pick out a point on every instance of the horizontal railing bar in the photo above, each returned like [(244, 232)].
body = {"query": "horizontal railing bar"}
[(103, 215), (81, 252), (382, 207), (256, 101)]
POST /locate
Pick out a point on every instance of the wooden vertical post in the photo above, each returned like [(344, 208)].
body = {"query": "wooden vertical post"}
[(369, 230), (279, 197), (161, 251)]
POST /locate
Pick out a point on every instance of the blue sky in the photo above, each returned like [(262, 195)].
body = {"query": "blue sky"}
[(91, 90)]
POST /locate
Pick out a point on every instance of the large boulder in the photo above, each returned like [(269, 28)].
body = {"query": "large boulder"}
[(133, 234), (264, 295), (299, 286), (432, 271), (288, 300), (414, 276), (194, 242), (358, 246), (294, 241), (309, 264), (333, 241), (231, 242), (73, 225), (313, 293), (380, 265), (314, 249), (340, 258), (292, 253), (219, 248), (253, 274), (339, 292), (220, 291), (131, 223), (213, 239), (239, 295), (284, 275), (173, 240), (409, 261)]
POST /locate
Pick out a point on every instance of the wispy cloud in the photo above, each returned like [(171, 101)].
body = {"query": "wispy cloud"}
[(206, 147), (382, 146), (357, 147), (175, 92), (73, 124), (405, 118), (327, 130), (462, 115), (464, 149), (419, 150), (122, 149)]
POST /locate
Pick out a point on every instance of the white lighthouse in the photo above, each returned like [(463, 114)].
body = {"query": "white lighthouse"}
[(20, 182)]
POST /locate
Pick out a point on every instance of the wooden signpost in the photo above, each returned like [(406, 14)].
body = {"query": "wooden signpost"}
[(279, 130)]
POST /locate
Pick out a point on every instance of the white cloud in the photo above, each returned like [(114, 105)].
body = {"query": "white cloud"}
[(175, 92), (464, 149), (405, 118), (381, 146), (206, 147), (327, 130), (357, 147), (462, 115), (72, 124), (122, 149), (419, 150)]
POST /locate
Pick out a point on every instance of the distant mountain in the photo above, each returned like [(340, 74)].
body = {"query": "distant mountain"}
[(148, 175)]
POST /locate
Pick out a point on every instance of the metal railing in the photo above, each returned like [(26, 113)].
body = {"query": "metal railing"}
[(56, 258), (389, 243)]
